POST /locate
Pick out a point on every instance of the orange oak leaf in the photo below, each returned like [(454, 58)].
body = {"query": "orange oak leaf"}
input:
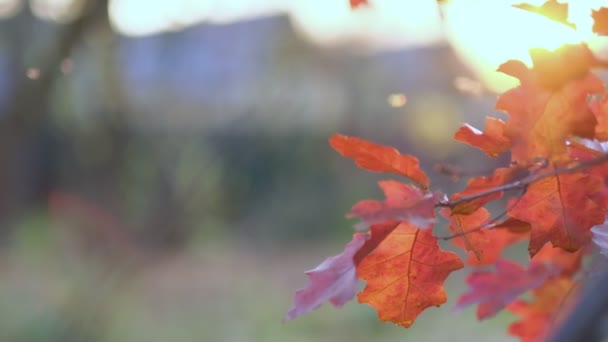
[(492, 243), (544, 111), (334, 280), (493, 291), (551, 9), (538, 315), (560, 210), (379, 158), (473, 241), (405, 274), (357, 3), (492, 141), (479, 185), (600, 21), (569, 262), (403, 203)]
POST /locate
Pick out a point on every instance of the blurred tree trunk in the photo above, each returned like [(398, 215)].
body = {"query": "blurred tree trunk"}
[(26, 149)]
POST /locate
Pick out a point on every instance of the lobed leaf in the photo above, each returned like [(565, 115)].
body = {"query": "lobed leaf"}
[(334, 280), (550, 105), (467, 226), (492, 141), (478, 185), (493, 291), (379, 158), (560, 210), (551, 9), (600, 21), (403, 203), (538, 315), (405, 274), (490, 243)]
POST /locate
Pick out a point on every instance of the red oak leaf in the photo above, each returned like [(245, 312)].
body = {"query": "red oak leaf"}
[(479, 185), (405, 274), (600, 21), (357, 3), (493, 291), (492, 242), (538, 315), (544, 111), (551, 9), (569, 262), (473, 241), (334, 280), (379, 158), (403, 203), (492, 141), (561, 210)]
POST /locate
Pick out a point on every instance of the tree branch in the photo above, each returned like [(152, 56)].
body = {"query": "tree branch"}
[(524, 182)]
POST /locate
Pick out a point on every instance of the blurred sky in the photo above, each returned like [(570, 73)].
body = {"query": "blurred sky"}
[(481, 38)]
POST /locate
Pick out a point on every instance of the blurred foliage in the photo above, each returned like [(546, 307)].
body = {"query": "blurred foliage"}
[(174, 187)]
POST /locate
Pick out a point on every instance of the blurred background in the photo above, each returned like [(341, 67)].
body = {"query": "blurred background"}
[(165, 172)]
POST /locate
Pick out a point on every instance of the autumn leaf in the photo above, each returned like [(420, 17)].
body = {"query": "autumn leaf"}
[(491, 243), (492, 141), (334, 280), (569, 262), (357, 3), (405, 274), (543, 111), (478, 185), (551, 9), (560, 210), (539, 314), (461, 225), (403, 203), (379, 158), (600, 21), (493, 291)]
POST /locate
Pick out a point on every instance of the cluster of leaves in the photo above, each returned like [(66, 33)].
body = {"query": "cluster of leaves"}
[(556, 193)]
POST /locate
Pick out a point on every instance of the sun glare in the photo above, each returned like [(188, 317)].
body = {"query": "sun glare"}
[(488, 33)]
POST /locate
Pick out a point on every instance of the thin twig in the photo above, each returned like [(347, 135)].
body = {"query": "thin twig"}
[(523, 183), (491, 224)]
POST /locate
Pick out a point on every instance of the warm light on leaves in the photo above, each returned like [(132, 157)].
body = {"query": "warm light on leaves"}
[(560, 211), (357, 3), (405, 274), (557, 183), (379, 158), (542, 118), (551, 9), (600, 21), (492, 141)]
